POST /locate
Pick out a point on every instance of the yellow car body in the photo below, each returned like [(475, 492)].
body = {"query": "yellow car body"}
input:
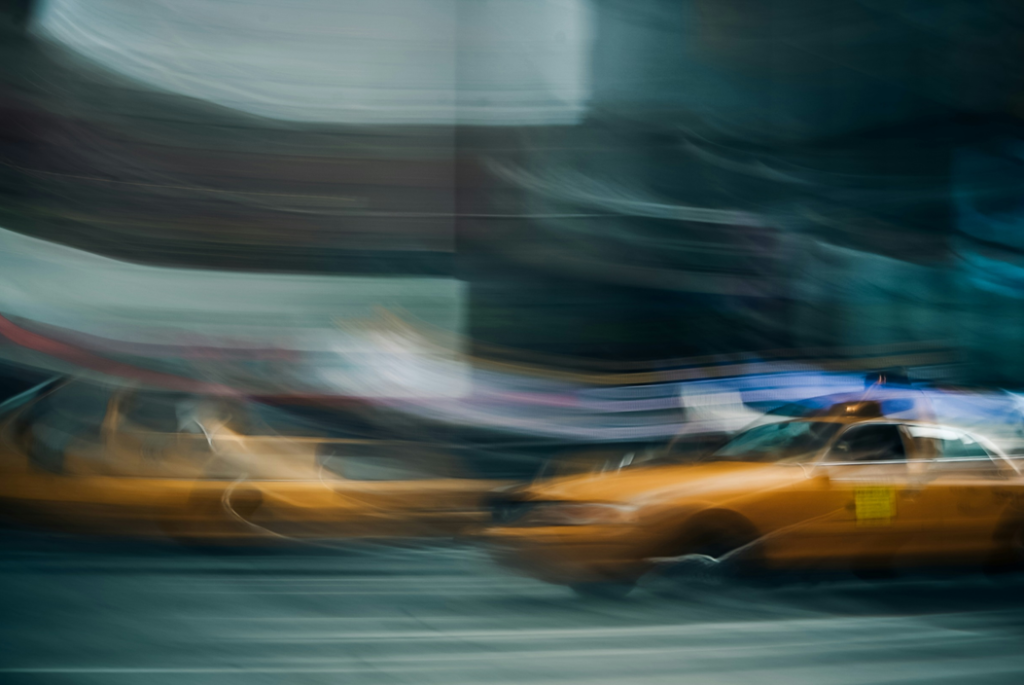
[(865, 492), (117, 462)]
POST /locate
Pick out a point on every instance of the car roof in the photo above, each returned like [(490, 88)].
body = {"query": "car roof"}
[(887, 401)]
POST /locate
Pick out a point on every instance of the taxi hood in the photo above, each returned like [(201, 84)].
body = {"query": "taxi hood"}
[(651, 481)]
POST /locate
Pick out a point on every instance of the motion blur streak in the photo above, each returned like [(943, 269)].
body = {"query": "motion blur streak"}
[(521, 62), (511, 341), (447, 616), (161, 313)]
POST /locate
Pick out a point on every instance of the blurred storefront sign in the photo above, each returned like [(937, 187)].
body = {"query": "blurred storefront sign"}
[(335, 335)]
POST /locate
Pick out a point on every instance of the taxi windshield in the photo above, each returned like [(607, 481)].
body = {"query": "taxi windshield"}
[(778, 441)]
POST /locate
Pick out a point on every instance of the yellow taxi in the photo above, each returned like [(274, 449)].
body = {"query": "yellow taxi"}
[(846, 488), (88, 458)]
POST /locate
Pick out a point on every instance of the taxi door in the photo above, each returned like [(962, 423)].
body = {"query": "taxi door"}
[(874, 510), (143, 437), (396, 490), (977, 492)]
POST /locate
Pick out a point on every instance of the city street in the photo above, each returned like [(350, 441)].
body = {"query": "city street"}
[(87, 612)]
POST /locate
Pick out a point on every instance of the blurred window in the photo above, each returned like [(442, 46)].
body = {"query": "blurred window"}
[(872, 442), (172, 412), (69, 413), (963, 447), (158, 412), (776, 441), (385, 463), (379, 468), (949, 444), (84, 403), (307, 421), (14, 403)]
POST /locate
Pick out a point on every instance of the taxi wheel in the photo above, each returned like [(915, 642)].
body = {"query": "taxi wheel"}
[(1015, 547), (207, 526), (721, 541), (604, 589), (706, 565), (1009, 554)]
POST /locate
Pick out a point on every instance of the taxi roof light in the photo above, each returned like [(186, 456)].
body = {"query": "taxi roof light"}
[(865, 409)]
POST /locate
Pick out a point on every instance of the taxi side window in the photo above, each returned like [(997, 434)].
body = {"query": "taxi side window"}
[(70, 413), (374, 468), (963, 447), (945, 443), (873, 442), (387, 463), (157, 412)]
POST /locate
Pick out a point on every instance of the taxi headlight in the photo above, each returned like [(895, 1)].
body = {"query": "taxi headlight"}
[(578, 514)]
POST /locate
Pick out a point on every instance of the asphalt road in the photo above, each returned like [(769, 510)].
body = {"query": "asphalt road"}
[(85, 612)]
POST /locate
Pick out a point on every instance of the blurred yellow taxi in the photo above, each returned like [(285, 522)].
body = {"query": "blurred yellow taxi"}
[(846, 488), (89, 458)]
